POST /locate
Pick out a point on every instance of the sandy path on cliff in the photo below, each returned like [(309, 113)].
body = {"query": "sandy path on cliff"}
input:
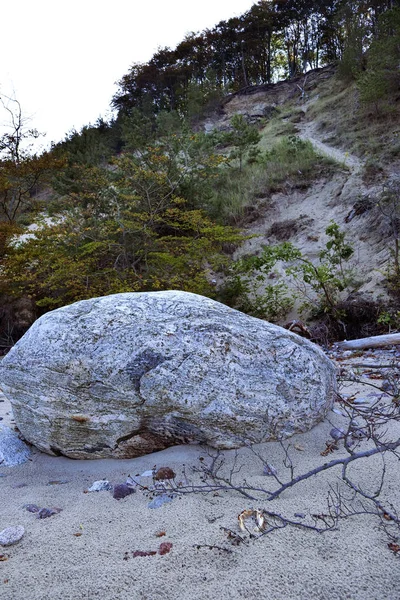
[(307, 131)]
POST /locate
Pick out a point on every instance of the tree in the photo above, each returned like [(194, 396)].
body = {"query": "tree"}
[(381, 77), (21, 169), (132, 227), (243, 137)]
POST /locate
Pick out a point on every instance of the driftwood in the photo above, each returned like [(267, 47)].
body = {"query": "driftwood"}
[(376, 341)]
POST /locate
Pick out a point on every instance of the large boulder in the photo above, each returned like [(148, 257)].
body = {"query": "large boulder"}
[(129, 374)]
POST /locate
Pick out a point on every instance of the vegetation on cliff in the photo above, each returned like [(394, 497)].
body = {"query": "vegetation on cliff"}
[(148, 201)]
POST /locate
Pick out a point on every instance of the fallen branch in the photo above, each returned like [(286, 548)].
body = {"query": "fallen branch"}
[(370, 430), (376, 341)]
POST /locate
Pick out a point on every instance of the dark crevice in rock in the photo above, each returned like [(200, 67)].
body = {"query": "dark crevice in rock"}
[(56, 451), (98, 448), (88, 384), (185, 357), (125, 438), (143, 363), (139, 443)]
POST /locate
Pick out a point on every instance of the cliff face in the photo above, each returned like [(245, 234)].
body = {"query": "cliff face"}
[(318, 108)]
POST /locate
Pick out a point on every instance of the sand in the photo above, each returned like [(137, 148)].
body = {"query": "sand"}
[(51, 562)]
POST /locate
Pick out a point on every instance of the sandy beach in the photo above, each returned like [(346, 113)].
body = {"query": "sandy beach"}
[(87, 550)]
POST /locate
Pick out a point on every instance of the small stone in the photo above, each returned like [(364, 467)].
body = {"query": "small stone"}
[(100, 486), (159, 501), (164, 548), (11, 535), (44, 513), (387, 386), (121, 490), (361, 401), (299, 447), (137, 553), (160, 534), (33, 508), (58, 481), (269, 470), (164, 473), (130, 482), (336, 434)]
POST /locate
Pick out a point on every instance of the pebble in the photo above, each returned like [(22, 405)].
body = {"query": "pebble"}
[(33, 508), (58, 481), (100, 486), (130, 482), (44, 513), (337, 434), (11, 535), (269, 470), (164, 548), (160, 500), (121, 490), (164, 473)]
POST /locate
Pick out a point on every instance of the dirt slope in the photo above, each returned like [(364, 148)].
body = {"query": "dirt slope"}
[(301, 216)]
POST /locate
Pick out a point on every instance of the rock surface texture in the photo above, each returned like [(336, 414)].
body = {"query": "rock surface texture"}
[(129, 374), (13, 451), (11, 535)]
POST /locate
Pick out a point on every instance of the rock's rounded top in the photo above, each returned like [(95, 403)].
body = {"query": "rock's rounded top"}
[(163, 314), (141, 371)]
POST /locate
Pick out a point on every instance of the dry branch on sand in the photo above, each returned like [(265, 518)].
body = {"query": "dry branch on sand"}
[(369, 429)]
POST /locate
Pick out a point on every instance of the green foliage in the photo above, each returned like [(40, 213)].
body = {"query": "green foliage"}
[(271, 39), (390, 318), (19, 181), (202, 96), (92, 145), (291, 162), (243, 138), (321, 283), (353, 60), (290, 158), (382, 77), (125, 228), (243, 292)]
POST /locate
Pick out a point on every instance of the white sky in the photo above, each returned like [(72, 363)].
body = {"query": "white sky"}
[(62, 58)]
